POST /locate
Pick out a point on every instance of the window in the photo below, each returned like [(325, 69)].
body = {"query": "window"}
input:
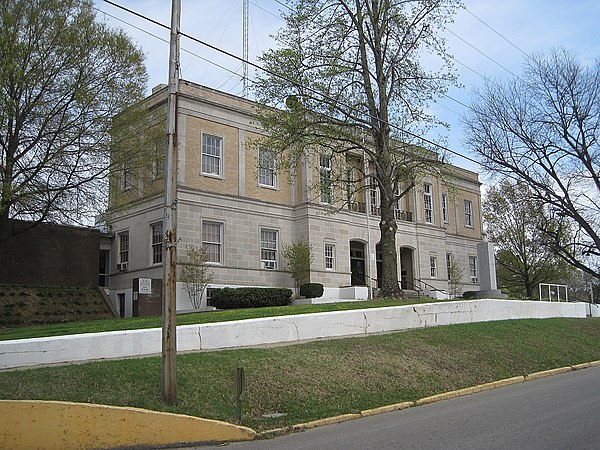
[(445, 208), (473, 267), (329, 257), (325, 179), (268, 249), (266, 168), (212, 155), (374, 199), (127, 178), (124, 247), (468, 213), (212, 233), (433, 266), (158, 159), (448, 264), (398, 202), (157, 242), (428, 201)]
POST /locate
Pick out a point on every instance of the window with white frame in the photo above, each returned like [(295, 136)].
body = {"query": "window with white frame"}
[(329, 257), (398, 202), (445, 208), (433, 266), (325, 179), (158, 159), (268, 248), (448, 264), (212, 241), (468, 213), (374, 199), (428, 202), (124, 247), (266, 168), (473, 267), (212, 155), (157, 242), (126, 177)]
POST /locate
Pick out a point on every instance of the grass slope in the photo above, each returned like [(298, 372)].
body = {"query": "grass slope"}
[(323, 378), (133, 323), (26, 305)]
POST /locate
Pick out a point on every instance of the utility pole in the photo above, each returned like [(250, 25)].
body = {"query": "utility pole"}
[(169, 325)]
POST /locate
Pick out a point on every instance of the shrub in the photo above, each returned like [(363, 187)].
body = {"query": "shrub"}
[(469, 295), (311, 290), (232, 298)]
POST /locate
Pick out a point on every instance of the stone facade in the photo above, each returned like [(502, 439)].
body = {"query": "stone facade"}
[(225, 205)]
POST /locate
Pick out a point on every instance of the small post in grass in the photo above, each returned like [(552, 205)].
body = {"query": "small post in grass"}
[(239, 383)]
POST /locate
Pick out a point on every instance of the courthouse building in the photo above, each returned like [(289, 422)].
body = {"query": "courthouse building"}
[(232, 200)]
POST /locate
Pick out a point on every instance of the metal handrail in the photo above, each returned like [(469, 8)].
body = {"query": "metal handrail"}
[(431, 287)]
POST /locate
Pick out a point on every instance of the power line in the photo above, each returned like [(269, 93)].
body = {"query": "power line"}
[(490, 27), (189, 52), (314, 91), (480, 52)]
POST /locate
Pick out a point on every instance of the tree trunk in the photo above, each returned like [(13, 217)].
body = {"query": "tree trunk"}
[(388, 227)]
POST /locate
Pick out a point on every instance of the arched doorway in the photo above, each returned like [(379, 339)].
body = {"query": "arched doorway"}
[(407, 274), (357, 263)]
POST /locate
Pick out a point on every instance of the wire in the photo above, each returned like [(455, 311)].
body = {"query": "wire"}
[(480, 52), (484, 23), (272, 73)]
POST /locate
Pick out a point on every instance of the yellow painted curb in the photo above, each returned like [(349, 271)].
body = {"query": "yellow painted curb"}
[(327, 421), (30, 424), (547, 373), (581, 366), (469, 390), (594, 363), (508, 381), (386, 409)]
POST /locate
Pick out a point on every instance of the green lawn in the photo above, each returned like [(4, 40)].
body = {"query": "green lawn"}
[(133, 323), (322, 378)]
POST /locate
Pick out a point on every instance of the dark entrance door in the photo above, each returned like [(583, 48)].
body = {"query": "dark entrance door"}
[(357, 263)]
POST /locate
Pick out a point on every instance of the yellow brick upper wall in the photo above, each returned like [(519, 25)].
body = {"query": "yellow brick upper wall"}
[(281, 193), (227, 183)]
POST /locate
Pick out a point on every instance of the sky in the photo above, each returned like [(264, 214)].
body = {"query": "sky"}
[(489, 38)]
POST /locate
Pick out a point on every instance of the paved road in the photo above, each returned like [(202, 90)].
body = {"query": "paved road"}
[(559, 412)]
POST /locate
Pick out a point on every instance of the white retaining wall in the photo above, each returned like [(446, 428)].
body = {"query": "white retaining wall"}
[(252, 332)]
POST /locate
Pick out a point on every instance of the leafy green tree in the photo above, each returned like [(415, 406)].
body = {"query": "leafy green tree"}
[(299, 258), (543, 129), (513, 217), (63, 76), (346, 81)]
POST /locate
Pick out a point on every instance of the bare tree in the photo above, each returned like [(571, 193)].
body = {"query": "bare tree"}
[(63, 76), (455, 275), (195, 274), (347, 84), (542, 129)]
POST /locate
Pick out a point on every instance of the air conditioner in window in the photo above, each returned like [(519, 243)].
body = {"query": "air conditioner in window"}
[(474, 280), (121, 267)]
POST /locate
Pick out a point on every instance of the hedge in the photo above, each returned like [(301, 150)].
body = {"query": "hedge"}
[(311, 290), (233, 298)]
